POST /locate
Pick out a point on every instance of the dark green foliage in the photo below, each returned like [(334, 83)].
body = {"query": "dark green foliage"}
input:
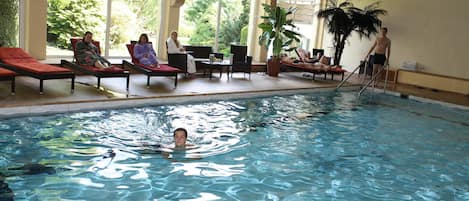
[(72, 18), (202, 13), (343, 18), (8, 23), (230, 31)]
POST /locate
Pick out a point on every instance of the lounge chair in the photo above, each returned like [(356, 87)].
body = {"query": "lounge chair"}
[(241, 62), (112, 71), (177, 60), (317, 53), (321, 67), (307, 67), (7, 75), (163, 70), (336, 71), (17, 60)]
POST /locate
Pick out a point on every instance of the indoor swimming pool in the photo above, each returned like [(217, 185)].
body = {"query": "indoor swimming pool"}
[(314, 146)]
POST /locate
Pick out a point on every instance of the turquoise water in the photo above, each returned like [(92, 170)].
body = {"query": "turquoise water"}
[(320, 146)]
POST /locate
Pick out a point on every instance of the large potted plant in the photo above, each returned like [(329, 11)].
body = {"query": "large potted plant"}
[(277, 30), (343, 18)]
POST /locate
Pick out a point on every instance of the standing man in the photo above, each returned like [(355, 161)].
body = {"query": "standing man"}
[(380, 46)]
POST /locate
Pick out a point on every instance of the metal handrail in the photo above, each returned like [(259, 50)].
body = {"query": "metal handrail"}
[(350, 75), (386, 77), (373, 78)]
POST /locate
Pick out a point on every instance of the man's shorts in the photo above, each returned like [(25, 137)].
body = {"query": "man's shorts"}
[(379, 59)]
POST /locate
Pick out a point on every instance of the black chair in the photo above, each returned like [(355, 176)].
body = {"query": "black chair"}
[(316, 51), (241, 62), (368, 67), (178, 60), (200, 52)]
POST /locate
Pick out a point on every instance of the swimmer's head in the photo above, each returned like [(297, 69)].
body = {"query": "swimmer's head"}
[(180, 137)]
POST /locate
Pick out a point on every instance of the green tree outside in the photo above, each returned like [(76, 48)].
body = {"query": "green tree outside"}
[(9, 23), (129, 18), (201, 14), (72, 18)]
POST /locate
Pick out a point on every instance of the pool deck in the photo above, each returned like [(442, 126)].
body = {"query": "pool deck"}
[(57, 92)]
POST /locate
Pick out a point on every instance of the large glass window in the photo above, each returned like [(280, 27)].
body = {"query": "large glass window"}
[(126, 20), (129, 19), (305, 20), (199, 24), (9, 23)]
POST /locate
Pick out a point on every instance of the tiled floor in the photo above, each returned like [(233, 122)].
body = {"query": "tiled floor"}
[(57, 92)]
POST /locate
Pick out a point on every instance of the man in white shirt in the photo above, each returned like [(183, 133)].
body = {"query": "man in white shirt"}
[(174, 47)]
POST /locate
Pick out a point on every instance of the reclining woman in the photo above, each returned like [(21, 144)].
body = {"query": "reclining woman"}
[(305, 56), (144, 52), (174, 47), (88, 54)]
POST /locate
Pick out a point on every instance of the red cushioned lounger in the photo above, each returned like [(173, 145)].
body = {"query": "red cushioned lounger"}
[(307, 67), (316, 69), (17, 60), (163, 70), (337, 71), (7, 75), (99, 73)]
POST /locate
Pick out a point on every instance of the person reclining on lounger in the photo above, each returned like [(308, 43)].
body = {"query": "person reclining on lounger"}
[(88, 54), (144, 52), (305, 56)]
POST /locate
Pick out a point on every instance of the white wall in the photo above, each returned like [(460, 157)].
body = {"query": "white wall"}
[(435, 33)]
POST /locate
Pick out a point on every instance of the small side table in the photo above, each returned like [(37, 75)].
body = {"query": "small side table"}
[(219, 65)]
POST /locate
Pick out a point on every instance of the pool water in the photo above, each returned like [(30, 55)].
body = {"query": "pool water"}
[(318, 146)]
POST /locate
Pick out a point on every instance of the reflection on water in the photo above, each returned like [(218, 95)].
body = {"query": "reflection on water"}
[(208, 169), (300, 147)]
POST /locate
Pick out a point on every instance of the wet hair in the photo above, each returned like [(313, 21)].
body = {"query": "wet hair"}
[(180, 129), (140, 38), (86, 33)]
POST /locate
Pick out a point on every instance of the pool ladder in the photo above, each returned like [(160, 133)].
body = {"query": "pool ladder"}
[(373, 78)]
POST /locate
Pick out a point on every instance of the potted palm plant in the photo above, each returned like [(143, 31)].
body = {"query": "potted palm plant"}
[(343, 18), (277, 30)]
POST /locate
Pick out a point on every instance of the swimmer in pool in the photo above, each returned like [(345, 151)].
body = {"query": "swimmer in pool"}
[(29, 169), (180, 145)]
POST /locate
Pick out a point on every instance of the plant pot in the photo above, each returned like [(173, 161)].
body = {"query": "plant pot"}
[(273, 67)]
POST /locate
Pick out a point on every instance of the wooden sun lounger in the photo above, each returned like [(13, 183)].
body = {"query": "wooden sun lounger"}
[(163, 70), (7, 75), (99, 73), (315, 68), (17, 60)]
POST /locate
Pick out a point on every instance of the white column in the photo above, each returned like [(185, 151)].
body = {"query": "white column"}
[(162, 35), (108, 28), (21, 35), (217, 32)]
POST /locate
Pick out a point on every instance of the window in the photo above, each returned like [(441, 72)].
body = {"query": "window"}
[(305, 20), (199, 24), (129, 19), (9, 22), (126, 19)]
